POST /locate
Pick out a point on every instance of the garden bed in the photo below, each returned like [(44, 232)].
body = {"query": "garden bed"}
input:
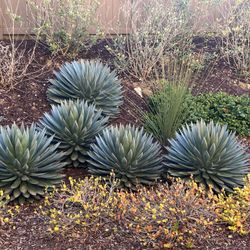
[(30, 95), (27, 102), (30, 232)]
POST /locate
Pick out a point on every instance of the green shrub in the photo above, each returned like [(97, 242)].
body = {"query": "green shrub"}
[(234, 111), (90, 81), (162, 217), (156, 28), (28, 163), (235, 36), (168, 111), (169, 103), (129, 152), (74, 125), (209, 153), (64, 25)]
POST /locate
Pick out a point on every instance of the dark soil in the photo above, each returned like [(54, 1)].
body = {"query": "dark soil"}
[(28, 231), (27, 102), (221, 79)]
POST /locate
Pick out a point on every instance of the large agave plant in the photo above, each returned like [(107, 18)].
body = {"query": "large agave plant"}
[(74, 124), (128, 152), (209, 153), (90, 81), (28, 163)]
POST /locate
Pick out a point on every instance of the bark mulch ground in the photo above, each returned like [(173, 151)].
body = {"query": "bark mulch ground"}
[(27, 102)]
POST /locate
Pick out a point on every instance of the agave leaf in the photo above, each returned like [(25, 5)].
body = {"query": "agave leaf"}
[(16, 183), (90, 81), (27, 158), (129, 152), (210, 153), (76, 131)]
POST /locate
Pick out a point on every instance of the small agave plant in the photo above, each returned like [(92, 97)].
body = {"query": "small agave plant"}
[(74, 125), (28, 163), (90, 81), (210, 154), (128, 152)]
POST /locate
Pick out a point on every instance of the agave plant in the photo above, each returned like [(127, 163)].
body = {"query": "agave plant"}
[(128, 152), (28, 163), (209, 153), (90, 81), (74, 124)]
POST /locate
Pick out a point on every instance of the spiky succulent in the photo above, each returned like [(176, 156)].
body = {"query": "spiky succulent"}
[(90, 81), (74, 124), (28, 163), (209, 153), (129, 152)]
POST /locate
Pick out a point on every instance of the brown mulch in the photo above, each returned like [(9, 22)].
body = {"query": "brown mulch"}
[(222, 80), (27, 102), (29, 231)]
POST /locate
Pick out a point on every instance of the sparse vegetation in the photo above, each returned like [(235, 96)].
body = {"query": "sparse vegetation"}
[(64, 25), (161, 217)]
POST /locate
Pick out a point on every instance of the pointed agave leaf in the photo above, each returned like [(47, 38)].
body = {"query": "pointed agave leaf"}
[(90, 81), (16, 183), (27, 158), (210, 153), (74, 132), (129, 152)]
